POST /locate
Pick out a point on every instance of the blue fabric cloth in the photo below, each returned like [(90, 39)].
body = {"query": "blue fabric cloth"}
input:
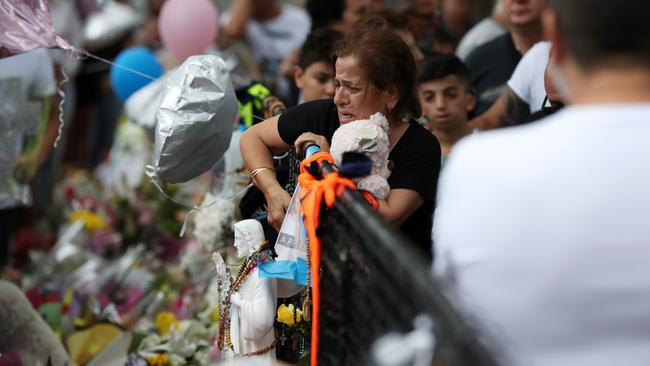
[(295, 271)]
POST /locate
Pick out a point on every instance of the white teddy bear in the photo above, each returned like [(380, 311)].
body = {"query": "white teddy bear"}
[(370, 137)]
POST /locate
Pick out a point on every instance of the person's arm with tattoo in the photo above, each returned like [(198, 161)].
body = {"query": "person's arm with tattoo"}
[(508, 110)]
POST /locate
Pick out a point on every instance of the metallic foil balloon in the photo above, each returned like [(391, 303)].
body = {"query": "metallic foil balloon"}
[(26, 25), (195, 120), (109, 25)]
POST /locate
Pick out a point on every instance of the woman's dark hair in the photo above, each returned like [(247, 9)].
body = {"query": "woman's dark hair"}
[(386, 60)]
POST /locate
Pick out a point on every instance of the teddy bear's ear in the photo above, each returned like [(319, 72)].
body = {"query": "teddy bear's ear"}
[(366, 138), (379, 120), (368, 145)]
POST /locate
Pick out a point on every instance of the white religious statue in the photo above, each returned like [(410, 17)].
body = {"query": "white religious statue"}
[(246, 328)]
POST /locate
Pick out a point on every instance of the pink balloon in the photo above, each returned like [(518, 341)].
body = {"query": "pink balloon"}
[(188, 27), (26, 25)]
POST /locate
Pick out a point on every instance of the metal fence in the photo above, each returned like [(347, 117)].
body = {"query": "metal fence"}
[(374, 284)]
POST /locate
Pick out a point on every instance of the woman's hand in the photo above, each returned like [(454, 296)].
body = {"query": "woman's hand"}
[(303, 141), (256, 146), (277, 200)]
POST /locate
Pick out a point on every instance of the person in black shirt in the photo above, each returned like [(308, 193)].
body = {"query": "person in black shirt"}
[(375, 72), (491, 65)]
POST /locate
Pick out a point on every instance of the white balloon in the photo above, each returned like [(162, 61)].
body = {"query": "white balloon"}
[(107, 26)]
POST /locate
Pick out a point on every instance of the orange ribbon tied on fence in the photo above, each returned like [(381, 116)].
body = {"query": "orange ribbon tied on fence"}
[(312, 194)]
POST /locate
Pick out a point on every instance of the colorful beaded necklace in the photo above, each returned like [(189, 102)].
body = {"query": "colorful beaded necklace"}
[(246, 268)]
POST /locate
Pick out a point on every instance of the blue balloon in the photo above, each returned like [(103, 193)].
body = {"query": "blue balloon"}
[(126, 82)]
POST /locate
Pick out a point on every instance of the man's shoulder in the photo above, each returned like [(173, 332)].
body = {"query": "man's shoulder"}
[(483, 32), (507, 145), (486, 24), (293, 10), (486, 28), (561, 133), (490, 48), (540, 48), (295, 16)]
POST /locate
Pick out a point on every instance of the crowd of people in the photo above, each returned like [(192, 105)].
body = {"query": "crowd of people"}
[(537, 228)]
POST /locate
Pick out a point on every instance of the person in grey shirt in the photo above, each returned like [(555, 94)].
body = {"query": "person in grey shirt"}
[(484, 31)]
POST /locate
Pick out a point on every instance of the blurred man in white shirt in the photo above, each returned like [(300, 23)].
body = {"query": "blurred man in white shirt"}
[(542, 230)]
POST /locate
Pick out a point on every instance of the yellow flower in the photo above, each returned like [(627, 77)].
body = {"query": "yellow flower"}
[(165, 321), (91, 221), (298, 315), (159, 359), (286, 315), (214, 316)]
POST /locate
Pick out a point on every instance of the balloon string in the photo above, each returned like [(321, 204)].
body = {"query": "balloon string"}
[(196, 209), (61, 94), (109, 62), (150, 171)]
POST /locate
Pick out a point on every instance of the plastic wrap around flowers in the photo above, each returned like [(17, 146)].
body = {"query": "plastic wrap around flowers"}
[(195, 120)]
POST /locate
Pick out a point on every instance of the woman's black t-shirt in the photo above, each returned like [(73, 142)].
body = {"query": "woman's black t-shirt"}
[(415, 160)]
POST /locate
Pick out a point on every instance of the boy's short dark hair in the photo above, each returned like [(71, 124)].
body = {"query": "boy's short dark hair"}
[(441, 65), (605, 32), (319, 46)]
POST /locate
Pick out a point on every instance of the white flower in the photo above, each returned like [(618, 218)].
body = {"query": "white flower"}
[(211, 223), (150, 342)]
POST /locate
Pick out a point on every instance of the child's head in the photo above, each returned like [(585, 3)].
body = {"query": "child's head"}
[(398, 22), (314, 74), (443, 82)]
